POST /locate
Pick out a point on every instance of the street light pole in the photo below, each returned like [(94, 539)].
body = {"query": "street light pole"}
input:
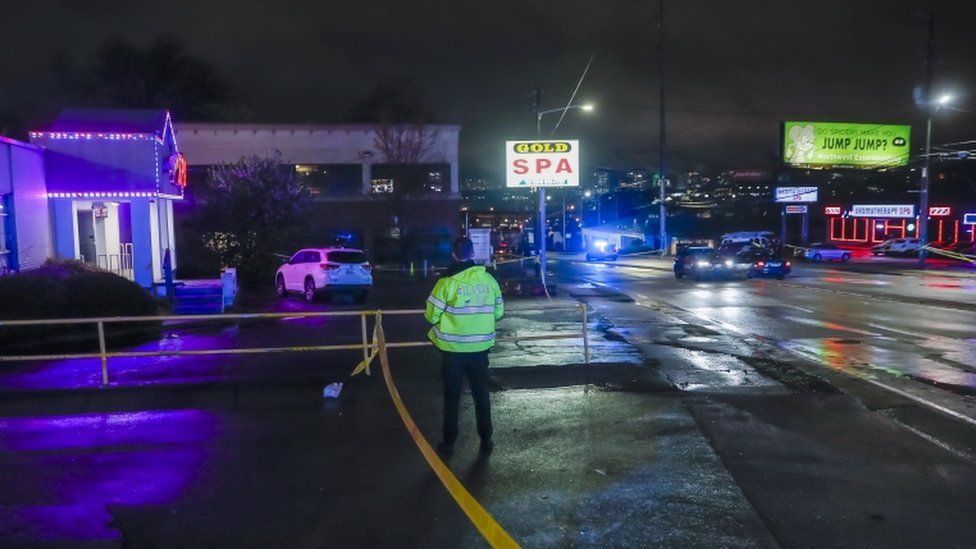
[(923, 198), (536, 103)]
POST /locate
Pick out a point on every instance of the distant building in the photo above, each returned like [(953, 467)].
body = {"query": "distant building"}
[(371, 184)]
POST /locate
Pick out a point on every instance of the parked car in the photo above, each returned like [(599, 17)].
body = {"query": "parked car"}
[(767, 263), (600, 250), (315, 271), (896, 246), (826, 252), (689, 260)]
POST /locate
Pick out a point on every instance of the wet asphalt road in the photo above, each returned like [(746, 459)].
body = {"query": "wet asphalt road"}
[(780, 367), (715, 418), (900, 327)]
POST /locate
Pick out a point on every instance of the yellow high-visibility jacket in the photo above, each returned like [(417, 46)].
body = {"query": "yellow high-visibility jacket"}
[(463, 308)]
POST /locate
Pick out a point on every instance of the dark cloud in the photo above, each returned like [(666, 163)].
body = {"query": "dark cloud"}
[(735, 68)]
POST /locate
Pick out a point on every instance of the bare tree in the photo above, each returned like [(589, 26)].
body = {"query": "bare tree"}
[(408, 144)]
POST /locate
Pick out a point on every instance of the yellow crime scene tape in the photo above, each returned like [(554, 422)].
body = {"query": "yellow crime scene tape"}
[(489, 528), (949, 254)]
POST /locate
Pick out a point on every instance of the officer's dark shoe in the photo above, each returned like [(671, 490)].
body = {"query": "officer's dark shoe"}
[(444, 448), (487, 446)]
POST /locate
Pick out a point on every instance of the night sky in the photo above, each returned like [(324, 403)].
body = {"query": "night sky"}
[(734, 68)]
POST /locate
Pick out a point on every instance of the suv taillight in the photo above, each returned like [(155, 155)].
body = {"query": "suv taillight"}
[(328, 266)]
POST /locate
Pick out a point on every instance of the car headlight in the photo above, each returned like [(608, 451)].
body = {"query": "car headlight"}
[(729, 262), (702, 264)]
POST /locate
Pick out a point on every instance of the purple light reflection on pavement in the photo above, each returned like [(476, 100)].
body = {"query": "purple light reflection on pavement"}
[(134, 371), (60, 472), (31, 434)]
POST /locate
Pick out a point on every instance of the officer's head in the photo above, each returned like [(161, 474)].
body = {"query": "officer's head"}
[(463, 249)]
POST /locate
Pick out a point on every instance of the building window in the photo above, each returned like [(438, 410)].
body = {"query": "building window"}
[(413, 179), (381, 186), (331, 179)]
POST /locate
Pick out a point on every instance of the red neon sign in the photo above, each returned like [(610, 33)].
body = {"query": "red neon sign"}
[(832, 210), (940, 211), (177, 170)]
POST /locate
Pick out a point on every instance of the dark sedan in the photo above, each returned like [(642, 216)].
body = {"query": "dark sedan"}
[(723, 264), (767, 263), (691, 260)]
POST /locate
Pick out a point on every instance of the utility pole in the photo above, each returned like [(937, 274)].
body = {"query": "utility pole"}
[(923, 196), (536, 105), (661, 166)]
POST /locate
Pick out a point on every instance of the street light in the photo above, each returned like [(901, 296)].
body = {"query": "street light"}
[(586, 107), (923, 198)]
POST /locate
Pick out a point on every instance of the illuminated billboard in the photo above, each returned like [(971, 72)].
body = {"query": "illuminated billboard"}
[(795, 194), (883, 210), (542, 163), (839, 145)]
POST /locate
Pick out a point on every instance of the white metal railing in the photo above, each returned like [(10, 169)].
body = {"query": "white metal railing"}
[(366, 345)]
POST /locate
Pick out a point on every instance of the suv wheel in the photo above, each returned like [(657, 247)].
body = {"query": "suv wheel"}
[(309, 290), (280, 288), (845, 258), (817, 257)]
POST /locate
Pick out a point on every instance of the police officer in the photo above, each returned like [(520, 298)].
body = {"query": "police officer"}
[(463, 308)]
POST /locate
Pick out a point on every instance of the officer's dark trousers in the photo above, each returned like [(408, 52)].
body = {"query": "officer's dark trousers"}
[(453, 368)]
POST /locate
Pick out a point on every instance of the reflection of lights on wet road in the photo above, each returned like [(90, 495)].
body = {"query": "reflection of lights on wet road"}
[(77, 465), (846, 280), (828, 325)]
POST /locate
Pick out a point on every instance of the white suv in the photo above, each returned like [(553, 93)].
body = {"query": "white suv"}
[(325, 270), (899, 246)]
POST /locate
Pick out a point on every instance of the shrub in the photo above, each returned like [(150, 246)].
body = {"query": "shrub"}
[(72, 289)]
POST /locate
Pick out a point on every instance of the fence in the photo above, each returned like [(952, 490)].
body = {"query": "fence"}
[(367, 345)]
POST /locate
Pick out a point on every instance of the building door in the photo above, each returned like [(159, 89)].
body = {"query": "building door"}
[(86, 236)]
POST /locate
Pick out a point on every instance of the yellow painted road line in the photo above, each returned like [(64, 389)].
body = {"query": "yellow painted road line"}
[(493, 532)]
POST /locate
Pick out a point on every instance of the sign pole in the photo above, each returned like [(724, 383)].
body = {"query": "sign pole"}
[(782, 230), (805, 228), (542, 233)]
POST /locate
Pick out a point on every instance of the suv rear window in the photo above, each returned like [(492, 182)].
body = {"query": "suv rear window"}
[(347, 257)]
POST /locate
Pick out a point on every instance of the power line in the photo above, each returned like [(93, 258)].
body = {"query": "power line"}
[(749, 113)]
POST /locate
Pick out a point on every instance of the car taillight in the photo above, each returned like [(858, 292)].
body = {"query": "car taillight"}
[(761, 264), (328, 266), (787, 263)]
